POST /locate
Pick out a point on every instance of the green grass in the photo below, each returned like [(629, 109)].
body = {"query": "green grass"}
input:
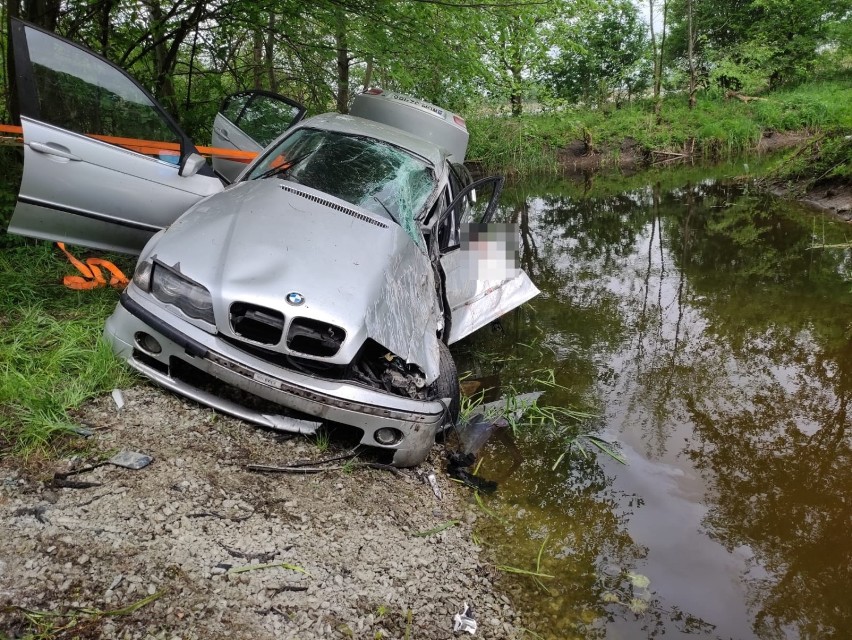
[(720, 128), (52, 357)]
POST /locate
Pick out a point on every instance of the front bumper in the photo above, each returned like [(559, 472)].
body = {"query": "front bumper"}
[(335, 400)]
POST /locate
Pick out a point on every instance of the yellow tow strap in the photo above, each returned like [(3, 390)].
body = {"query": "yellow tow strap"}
[(92, 277)]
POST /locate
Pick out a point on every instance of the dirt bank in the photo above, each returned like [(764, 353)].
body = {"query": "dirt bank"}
[(579, 156), (834, 198), (178, 528)]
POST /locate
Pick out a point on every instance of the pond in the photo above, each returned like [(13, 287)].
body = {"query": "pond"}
[(708, 328)]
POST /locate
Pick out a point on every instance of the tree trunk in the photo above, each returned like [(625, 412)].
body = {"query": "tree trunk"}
[(103, 17), (44, 13), (270, 54), (11, 89), (654, 55), (368, 73), (189, 75), (658, 105), (257, 59), (342, 64), (516, 98), (658, 81), (690, 53)]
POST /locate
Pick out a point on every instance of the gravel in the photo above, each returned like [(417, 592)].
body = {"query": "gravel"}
[(347, 561)]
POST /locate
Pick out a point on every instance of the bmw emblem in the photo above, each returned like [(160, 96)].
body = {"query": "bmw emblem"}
[(295, 298)]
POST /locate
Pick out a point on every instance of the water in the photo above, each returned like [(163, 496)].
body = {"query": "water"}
[(693, 316)]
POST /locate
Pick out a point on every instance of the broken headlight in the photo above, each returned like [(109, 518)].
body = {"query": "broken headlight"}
[(191, 298)]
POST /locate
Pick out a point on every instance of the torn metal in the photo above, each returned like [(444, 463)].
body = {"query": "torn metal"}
[(405, 316)]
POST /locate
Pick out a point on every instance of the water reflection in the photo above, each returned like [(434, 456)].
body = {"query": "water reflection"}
[(716, 345)]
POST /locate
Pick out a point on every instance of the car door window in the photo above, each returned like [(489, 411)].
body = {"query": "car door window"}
[(468, 208), (266, 117), (75, 90), (233, 106)]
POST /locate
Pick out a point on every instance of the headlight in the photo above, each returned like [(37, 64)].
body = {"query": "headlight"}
[(191, 298), (142, 275)]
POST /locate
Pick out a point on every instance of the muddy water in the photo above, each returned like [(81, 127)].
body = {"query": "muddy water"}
[(713, 342)]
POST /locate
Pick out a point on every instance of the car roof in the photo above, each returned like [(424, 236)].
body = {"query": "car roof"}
[(363, 127)]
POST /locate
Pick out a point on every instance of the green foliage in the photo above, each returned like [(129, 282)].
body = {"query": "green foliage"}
[(603, 54), (752, 45), (717, 128)]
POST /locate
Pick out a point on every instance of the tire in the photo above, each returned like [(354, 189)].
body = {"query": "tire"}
[(447, 385)]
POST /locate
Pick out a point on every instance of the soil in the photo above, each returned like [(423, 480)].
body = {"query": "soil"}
[(356, 566), (832, 197)]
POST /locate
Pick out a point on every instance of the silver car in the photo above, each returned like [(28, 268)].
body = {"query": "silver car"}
[(322, 281)]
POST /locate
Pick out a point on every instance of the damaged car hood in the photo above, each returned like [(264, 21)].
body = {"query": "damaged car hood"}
[(262, 240)]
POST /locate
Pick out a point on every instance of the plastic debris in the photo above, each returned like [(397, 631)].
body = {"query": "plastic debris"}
[(118, 398), (433, 482), (463, 620), (491, 416), (131, 460)]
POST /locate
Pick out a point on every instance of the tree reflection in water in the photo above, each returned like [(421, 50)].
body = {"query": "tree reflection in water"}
[(718, 347)]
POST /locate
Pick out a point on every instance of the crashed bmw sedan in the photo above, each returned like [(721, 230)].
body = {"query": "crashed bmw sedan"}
[(323, 281)]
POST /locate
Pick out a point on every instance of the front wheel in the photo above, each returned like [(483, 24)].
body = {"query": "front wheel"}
[(447, 385)]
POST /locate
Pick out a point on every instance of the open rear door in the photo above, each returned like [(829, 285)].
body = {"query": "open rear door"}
[(104, 165), (482, 280), (250, 121)]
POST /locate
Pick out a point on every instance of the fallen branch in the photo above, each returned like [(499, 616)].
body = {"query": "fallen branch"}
[(262, 557), (304, 470), (271, 565), (345, 456), (746, 99)]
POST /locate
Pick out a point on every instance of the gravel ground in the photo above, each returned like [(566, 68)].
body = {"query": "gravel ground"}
[(176, 529)]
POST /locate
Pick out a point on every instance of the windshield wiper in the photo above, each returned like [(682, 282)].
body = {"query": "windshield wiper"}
[(384, 206), (282, 169)]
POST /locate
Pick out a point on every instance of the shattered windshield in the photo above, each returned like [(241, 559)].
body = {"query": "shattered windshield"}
[(366, 172)]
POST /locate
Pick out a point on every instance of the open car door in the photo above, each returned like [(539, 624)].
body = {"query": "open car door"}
[(482, 279), (250, 121), (104, 165)]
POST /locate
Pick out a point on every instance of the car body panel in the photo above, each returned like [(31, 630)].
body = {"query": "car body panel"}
[(227, 135), (108, 198), (85, 180), (258, 241), (424, 120), (474, 302), (436, 156), (340, 401)]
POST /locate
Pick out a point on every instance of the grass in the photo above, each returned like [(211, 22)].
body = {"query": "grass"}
[(77, 622), (52, 356), (719, 128), (322, 440)]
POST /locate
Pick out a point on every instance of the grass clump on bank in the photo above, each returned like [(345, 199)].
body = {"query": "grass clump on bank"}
[(717, 128), (52, 357)]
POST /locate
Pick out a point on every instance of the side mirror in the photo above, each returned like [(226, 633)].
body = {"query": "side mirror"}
[(191, 165)]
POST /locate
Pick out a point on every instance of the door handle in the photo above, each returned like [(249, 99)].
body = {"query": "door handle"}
[(224, 134), (53, 149)]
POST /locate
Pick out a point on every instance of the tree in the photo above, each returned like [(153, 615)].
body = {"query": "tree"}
[(516, 42), (602, 56)]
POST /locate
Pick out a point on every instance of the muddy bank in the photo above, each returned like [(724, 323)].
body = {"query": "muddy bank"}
[(580, 155), (834, 198), (351, 562)]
